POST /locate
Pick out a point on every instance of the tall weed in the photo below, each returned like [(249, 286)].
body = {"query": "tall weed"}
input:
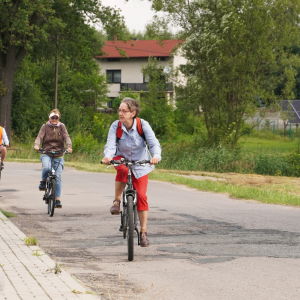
[(192, 157)]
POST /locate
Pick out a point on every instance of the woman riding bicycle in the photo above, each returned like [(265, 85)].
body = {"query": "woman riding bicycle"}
[(53, 136), (133, 147)]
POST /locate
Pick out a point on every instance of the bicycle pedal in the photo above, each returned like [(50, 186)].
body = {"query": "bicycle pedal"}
[(121, 228), (115, 213), (42, 190)]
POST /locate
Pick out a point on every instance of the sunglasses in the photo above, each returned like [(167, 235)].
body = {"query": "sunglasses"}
[(54, 118)]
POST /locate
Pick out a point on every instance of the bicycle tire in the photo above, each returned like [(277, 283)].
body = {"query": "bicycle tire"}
[(130, 228), (46, 195), (124, 221), (52, 197)]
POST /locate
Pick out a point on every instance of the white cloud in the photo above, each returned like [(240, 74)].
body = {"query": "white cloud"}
[(137, 13)]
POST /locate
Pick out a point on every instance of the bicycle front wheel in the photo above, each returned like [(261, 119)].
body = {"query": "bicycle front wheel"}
[(130, 227), (52, 197)]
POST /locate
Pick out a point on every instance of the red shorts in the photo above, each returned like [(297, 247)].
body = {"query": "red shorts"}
[(140, 185)]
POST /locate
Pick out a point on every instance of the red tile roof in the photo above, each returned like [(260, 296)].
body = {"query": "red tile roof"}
[(139, 48)]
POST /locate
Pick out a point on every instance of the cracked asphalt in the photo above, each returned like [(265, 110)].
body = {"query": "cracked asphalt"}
[(203, 245)]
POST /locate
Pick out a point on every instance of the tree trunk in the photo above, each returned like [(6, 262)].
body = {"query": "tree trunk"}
[(8, 65)]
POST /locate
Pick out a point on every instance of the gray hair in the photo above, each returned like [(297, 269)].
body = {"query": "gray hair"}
[(132, 104)]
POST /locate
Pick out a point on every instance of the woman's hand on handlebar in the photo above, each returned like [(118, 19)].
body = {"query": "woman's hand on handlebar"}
[(154, 161), (106, 160), (37, 148), (70, 150)]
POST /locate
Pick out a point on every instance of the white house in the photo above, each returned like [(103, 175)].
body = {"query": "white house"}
[(122, 62)]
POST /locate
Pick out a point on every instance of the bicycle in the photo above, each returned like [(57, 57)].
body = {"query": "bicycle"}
[(129, 199), (50, 190)]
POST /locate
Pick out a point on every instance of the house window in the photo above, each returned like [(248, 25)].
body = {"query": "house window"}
[(162, 78), (109, 103), (161, 58), (114, 76), (113, 59)]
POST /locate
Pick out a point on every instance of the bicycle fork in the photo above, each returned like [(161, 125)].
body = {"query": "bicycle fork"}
[(135, 215)]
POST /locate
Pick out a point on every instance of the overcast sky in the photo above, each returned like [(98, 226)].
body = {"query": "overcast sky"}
[(136, 12)]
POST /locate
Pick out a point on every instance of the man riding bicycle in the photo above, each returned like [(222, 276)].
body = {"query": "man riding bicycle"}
[(3, 141), (131, 145)]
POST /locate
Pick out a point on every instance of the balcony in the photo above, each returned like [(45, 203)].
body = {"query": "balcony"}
[(141, 87)]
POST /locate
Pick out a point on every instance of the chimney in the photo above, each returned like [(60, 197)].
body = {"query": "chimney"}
[(115, 38)]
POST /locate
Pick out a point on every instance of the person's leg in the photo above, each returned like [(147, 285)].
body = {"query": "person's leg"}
[(3, 153), (46, 161), (58, 167), (143, 216), (119, 187), (140, 186), (120, 183)]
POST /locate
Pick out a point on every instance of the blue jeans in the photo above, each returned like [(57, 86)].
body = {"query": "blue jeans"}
[(58, 167)]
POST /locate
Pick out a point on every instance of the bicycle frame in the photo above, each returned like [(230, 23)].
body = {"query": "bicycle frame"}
[(51, 174), (129, 191)]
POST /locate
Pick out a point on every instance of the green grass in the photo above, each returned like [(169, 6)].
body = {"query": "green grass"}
[(235, 191), (279, 145), (8, 214), (30, 241)]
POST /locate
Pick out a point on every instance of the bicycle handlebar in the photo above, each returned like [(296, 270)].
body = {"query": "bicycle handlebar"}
[(127, 162), (137, 162), (43, 151)]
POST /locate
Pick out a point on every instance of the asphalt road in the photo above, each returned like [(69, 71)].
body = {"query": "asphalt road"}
[(203, 245)]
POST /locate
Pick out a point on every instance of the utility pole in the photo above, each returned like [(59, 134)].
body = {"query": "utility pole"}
[(56, 79)]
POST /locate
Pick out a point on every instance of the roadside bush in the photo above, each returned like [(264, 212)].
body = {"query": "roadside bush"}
[(84, 143), (189, 155), (294, 160)]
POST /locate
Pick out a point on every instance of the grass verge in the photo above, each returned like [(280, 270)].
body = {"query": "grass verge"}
[(262, 194), (8, 214)]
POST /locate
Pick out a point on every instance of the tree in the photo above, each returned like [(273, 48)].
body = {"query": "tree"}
[(155, 107), (158, 29), (24, 23), (235, 51)]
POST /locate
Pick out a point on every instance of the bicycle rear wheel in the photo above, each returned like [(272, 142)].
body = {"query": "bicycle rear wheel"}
[(130, 228), (52, 197)]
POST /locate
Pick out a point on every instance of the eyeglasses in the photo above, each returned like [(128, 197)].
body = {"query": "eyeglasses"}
[(54, 118), (123, 111)]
